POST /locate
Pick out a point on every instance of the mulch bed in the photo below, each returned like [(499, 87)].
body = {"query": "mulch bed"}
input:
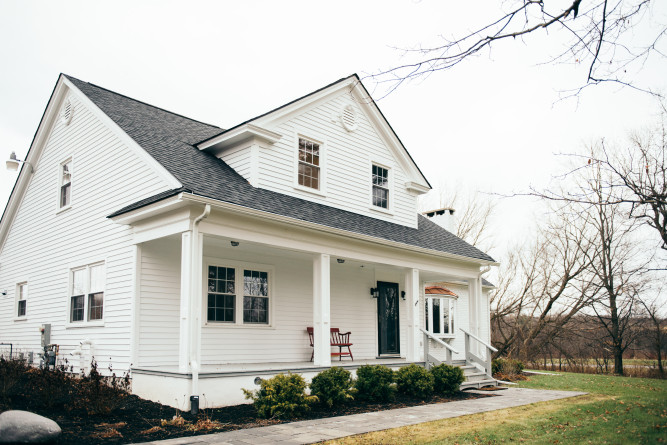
[(140, 420)]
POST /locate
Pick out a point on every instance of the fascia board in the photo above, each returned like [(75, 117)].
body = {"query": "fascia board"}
[(33, 155), (389, 136), (158, 168), (238, 135), (319, 227), (150, 210)]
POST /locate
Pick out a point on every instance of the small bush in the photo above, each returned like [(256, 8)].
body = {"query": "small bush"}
[(506, 367), (413, 380), (100, 395), (283, 397), (332, 386), (374, 383), (447, 379)]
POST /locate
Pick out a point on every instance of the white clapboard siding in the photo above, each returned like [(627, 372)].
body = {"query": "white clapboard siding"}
[(347, 158), (238, 158), (159, 303), (43, 243)]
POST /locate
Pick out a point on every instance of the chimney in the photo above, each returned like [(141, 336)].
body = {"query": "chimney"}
[(443, 217)]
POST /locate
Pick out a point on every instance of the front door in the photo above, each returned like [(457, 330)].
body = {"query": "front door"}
[(388, 338)]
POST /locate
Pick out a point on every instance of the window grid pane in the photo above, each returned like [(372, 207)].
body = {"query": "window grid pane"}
[(255, 310), (221, 294), (95, 306), (309, 161), (76, 308), (255, 300), (380, 187), (65, 184), (21, 311)]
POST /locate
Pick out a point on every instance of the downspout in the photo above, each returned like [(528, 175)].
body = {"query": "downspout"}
[(195, 308)]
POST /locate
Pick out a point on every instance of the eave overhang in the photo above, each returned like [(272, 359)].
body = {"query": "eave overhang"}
[(238, 135)]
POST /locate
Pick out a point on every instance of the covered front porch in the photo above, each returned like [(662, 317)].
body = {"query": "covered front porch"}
[(228, 301)]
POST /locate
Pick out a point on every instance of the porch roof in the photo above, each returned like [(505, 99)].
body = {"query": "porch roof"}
[(171, 140)]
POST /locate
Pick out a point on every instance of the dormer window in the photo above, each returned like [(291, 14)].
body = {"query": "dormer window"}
[(65, 184), (380, 187), (309, 164)]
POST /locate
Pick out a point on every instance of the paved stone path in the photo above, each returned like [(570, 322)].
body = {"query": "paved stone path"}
[(310, 431)]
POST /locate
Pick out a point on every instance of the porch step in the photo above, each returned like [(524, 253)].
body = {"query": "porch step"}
[(478, 384)]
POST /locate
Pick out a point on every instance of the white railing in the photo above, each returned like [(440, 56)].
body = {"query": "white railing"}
[(429, 360), (470, 357)]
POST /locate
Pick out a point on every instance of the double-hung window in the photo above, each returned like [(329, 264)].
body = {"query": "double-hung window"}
[(65, 195), (87, 293), (21, 296), (440, 314), (380, 177), (237, 293), (309, 164)]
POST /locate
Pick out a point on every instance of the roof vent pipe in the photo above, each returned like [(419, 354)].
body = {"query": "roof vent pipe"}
[(444, 217)]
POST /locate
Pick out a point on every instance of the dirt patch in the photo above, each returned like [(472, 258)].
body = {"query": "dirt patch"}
[(139, 420)]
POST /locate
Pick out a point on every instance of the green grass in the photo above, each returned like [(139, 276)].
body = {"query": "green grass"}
[(617, 410)]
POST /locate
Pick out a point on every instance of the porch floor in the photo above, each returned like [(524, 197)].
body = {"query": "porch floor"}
[(238, 369)]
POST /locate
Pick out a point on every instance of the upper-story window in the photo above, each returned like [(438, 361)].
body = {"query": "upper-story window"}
[(87, 293), (21, 295), (65, 184), (309, 164), (380, 187)]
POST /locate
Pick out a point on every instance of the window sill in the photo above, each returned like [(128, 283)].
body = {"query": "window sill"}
[(222, 325), (63, 209), (381, 210), (85, 324), (301, 188), (24, 318)]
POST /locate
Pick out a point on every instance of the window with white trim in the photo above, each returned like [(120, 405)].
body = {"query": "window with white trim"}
[(237, 293), (65, 194), (440, 314), (309, 164), (87, 293), (21, 299), (380, 177)]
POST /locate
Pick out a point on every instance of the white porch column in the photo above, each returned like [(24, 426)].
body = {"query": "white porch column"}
[(412, 290), (474, 310), (186, 286), (321, 310)]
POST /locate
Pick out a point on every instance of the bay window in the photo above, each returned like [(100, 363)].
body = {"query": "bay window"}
[(440, 315)]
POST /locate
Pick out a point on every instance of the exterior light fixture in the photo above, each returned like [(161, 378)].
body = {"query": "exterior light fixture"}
[(374, 292), (235, 243), (340, 260), (403, 294), (13, 163)]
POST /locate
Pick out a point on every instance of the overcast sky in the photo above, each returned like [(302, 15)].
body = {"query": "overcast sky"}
[(493, 124)]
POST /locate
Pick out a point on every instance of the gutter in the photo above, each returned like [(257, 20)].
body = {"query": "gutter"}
[(187, 196)]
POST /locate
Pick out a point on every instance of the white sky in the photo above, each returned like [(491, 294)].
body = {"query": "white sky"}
[(492, 124)]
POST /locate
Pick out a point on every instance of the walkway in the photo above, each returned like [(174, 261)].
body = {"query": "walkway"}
[(310, 431)]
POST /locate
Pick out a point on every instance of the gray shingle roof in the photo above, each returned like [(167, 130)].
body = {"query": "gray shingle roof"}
[(170, 139)]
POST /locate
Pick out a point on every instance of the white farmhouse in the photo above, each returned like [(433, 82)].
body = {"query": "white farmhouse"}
[(198, 257)]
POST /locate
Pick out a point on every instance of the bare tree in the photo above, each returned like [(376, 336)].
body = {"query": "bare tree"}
[(600, 34), (652, 312)]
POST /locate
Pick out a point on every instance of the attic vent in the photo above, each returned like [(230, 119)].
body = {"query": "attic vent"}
[(67, 111), (349, 118)]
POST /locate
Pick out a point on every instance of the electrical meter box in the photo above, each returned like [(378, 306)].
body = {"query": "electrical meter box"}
[(45, 330)]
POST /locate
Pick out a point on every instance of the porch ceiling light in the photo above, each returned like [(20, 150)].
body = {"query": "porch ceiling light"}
[(13, 163), (340, 260), (235, 243)]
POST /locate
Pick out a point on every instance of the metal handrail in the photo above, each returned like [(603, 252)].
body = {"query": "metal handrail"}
[(437, 340), (479, 340)]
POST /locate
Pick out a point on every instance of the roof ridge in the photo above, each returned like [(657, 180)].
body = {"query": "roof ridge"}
[(142, 102), (342, 79)]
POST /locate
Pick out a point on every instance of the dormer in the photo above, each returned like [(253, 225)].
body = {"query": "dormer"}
[(332, 146)]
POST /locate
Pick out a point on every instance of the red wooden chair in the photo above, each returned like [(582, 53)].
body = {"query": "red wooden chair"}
[(337, 339)]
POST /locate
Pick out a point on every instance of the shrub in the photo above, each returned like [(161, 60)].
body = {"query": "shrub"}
[(332, 386), (283, 396), (447, 379), (100, 395), (413, 380), (506, 367), (374, 383)]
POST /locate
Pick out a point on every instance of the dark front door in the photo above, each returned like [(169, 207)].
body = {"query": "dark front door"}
[(388, 318)]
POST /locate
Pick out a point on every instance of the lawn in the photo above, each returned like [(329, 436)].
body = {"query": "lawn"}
[(617, 410)]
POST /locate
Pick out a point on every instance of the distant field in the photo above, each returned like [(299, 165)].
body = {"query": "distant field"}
[(617, 410)]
